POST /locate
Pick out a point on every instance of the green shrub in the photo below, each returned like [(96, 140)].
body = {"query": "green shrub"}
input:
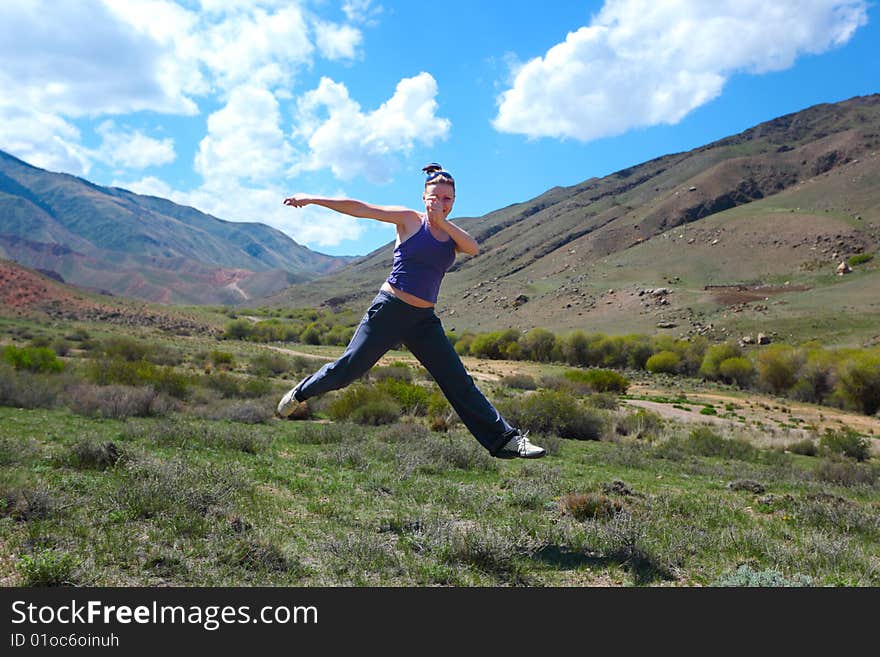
[(24, 389), (778, 366), (519, 381), (47, 568), (846, 442), (589, 506), (230, 386), (805, 447), (247, 411), (710, 368), (222, 359), (665, 362), (91, 454), (744, 576), (737, 370), (703, 441), (463, 344), (641, 424), (556, 412), (539, 344), (859, 381), (412, 397), (364, 404), (33, 359), (139, 373), (238, 329), (396, 372), (845, 472), (493, 345), (270, 363), (116, 401), (599, 380), (605, 400), (860, 259), (125, 349)]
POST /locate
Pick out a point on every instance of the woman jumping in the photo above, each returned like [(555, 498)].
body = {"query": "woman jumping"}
[(403, 312)]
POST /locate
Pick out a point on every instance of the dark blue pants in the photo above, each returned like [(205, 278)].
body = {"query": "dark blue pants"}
[(390, 321)]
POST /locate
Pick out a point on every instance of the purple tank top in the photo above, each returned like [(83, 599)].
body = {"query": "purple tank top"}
[(420, 263)]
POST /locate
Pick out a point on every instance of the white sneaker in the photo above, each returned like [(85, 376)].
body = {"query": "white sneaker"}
[(520, 447), (288, 404)]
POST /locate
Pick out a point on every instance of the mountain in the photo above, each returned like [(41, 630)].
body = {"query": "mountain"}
[(745, 234), (25, 292), (127, 244)]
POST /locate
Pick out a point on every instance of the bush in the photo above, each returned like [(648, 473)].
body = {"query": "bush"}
[(599, 380), (554, 412), (116, 401), (139, 373), (364, 405), (845, 472), (846, 442), (703, 441), (33, 359), (590, 506), (805, 447), (395, 372), (519, 381), (230, 386), (744, 576), (270, 363), (412, 398), (248, 411), (641, 424), (737, 370), (539, 344), (125, 349), (239, 329), (664, 362), (860, 259), (710, 368), (90, 454), (777, 367), (493, 345), (859, 381), (28, 390), (47, 568)]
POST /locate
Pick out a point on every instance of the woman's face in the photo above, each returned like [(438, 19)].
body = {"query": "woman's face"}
[(439, 199)]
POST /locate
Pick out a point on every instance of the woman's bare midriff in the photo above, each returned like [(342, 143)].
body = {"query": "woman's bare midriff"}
[(406, 296)]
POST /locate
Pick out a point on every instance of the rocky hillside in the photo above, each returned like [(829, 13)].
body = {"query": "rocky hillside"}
[(28, 293), (141, 246), (745, 234)]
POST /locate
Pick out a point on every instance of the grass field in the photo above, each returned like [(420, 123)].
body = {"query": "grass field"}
[(209, 490)]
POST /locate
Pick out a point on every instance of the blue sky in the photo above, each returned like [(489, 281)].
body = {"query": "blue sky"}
[(231, 105)]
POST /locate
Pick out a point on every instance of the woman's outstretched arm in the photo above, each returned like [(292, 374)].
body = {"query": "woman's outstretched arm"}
[(391, 214)]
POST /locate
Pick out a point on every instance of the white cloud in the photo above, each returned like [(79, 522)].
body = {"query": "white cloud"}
[(361, 11), (256, 48), (350, 142), (336, 41), (133, 150), (78, 59), (244, 140), (642, 63), (148, 186), (42, 139)]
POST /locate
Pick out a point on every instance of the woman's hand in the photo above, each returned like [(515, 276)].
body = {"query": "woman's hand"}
[(298, 200)]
